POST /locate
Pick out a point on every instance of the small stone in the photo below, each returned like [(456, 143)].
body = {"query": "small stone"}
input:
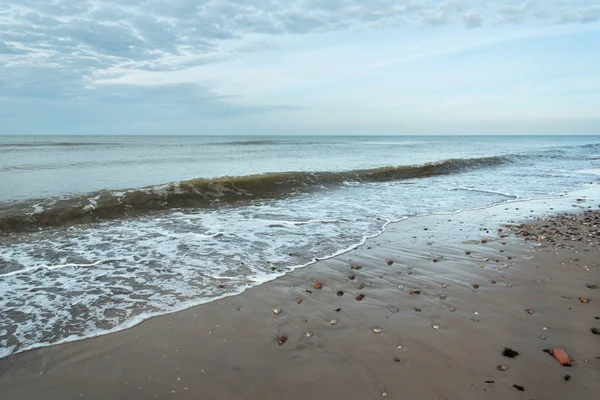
[(452, 309), (318, 285), (356, 267), (494, 282), (436, 327), (401, 287), (529, 311), (399, 347), (299, 300), (475, 313), (397, 359), (360, 286), (475, 286), (442, 297), (340, 293), (390, 262), (543, 337), (417, 309), (394, 309), (377, 330), (435, 260), (595, 331), (502, 367), (308, 334), (384, 394), (333, 322), (468, 253), (584, 300), (444, 286), (414, 292), (277, 311), (544, 329), (360, 297), (281, 340), (352, 277), (591, 286)]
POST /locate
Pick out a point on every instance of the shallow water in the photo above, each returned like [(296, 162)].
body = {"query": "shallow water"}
[(175, 246)]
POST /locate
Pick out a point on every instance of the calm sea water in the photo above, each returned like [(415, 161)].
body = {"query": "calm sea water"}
[(100, 232)]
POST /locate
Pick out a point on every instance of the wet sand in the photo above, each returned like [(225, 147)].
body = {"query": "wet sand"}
[(458, 273)]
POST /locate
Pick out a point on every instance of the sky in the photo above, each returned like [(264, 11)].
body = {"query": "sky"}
[(263, 67)]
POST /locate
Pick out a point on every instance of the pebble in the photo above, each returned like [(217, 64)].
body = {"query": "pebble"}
[(475, 286), (318, 285), (591, 286), (360, 297), (399, 347), (452, 309), (401, 287), (309, 334), (281, 340), (277, 311), (417, 309), (595, 331), (543, 337), (444, 286), (397, 359), (442, 297), (394, 309), (530, 311), (384, 394), (436, 327), (360, 285), (544, 329), (333, 322), (377, 330), (584, 300), (340, 293), (299, 300), (390, 262), (502, 367)]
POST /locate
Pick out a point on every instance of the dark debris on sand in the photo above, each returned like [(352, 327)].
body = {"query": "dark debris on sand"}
[(510, 353)]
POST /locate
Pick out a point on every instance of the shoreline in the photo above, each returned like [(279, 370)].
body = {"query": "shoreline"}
[(347, 360), (291, 269)]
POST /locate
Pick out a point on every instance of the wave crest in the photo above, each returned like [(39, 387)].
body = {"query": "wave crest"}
[(198, 193)]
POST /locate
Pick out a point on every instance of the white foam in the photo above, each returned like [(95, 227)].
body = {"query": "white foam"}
[(53, 267)]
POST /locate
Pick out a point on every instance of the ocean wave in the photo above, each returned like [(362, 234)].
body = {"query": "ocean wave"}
[(198, 193)]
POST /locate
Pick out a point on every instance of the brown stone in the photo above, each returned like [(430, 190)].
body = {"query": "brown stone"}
[(281, 340)]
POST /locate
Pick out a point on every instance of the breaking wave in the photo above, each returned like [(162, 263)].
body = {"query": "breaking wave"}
[(198, 193)]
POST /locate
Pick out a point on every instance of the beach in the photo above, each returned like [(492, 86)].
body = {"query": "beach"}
[(422, 311)]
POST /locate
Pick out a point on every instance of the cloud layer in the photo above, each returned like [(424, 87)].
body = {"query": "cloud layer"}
[(59, 49)]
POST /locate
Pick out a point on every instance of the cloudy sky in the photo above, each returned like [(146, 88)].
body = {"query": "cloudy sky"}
[(300, 66)]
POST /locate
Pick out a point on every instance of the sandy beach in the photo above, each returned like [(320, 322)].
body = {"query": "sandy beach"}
[(423, 311)]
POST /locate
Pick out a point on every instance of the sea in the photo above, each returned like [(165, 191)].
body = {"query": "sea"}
[(99, 233)]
